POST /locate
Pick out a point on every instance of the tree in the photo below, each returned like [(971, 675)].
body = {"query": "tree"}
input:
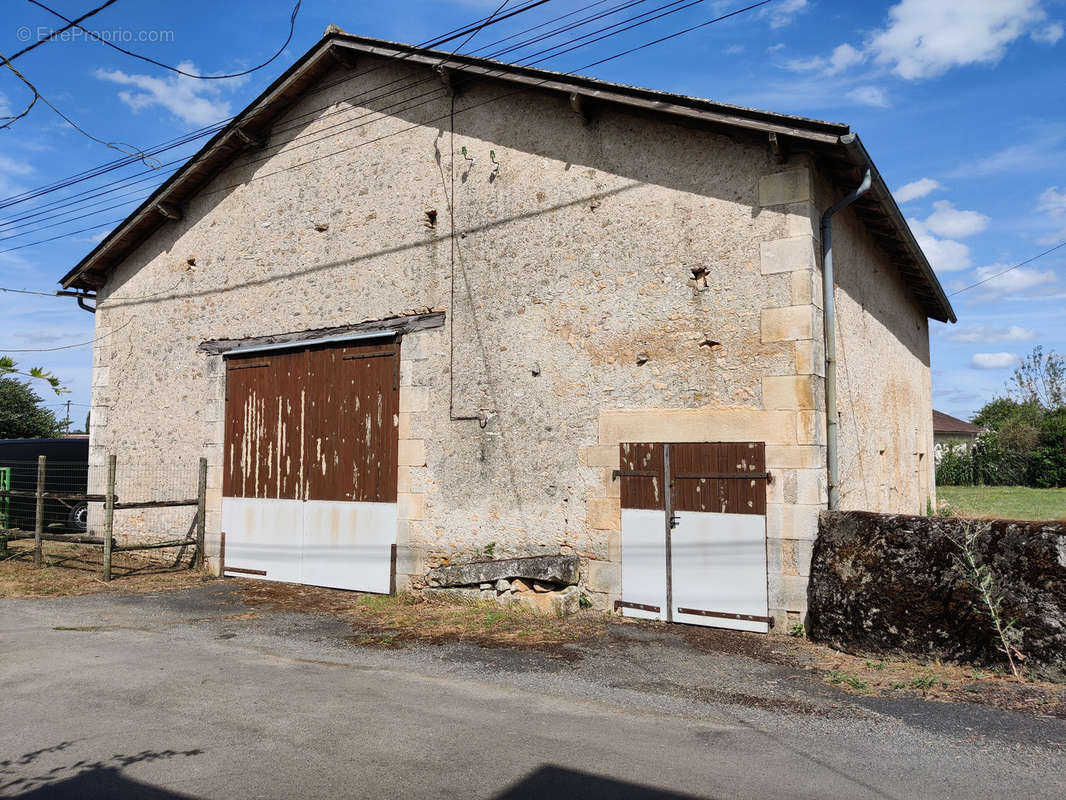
[(1040, 379), (21, 415), (9, 367)]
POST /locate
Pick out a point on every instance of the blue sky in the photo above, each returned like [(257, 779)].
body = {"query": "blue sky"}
[(963, 106)]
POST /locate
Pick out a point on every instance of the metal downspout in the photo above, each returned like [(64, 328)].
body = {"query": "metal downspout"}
[(832, 419)]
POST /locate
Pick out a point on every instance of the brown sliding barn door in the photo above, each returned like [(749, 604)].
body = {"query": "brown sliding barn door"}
[(694, 533), (309, 478)]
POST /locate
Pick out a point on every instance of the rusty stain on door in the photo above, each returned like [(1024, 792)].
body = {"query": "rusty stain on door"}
[(314, 424)]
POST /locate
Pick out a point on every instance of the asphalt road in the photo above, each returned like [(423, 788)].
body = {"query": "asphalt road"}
[(171, 696)]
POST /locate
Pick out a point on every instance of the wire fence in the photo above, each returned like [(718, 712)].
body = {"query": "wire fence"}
[(63, 505), (117, 505)]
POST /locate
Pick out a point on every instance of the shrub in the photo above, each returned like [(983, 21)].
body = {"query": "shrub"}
[(955, 467)]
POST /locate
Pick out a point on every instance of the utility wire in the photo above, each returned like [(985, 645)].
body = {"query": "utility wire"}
[(70, 346), (120, 146), (617, 55), (1059, 246), (27, 291), (9, 224), (214, 128), (95, 36), (70, 24), (38, 211)]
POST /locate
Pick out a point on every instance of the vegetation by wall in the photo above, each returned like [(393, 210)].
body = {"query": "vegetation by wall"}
[(921, 586)]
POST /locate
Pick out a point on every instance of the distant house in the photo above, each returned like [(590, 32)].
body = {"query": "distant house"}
[(950, 432)]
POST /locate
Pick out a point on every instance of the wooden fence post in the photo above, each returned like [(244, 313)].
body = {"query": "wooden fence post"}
[(109, 516), (201, 514), (38, 525)]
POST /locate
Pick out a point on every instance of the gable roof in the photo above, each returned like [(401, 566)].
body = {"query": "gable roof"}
[(945, 423), (839, 152)]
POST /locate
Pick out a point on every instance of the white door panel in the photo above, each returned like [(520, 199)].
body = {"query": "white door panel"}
[(264, 535), (644, 562), (316, 542), (349, 545), (719, 566)]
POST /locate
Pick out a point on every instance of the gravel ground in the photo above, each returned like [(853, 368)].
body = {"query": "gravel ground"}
[(194, 693)]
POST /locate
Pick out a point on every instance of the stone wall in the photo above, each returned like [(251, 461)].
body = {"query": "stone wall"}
[(884, 383), (888, 584), (623, 278)]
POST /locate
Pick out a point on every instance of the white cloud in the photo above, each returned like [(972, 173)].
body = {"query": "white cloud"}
[(1052, 201), (734, 49), (869, 96), (954, 223), (193, 101), (1053, 204), (926, 38), (842, 57), (775, 47), (1018, 282), (1049, 34), (783, 12), (994, 360), (983, 334), (945, 255), (12, 168), (1014, 158), (915, 189)]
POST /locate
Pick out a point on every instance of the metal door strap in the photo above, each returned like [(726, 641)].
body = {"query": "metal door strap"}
[(724, 615), (638, 606)]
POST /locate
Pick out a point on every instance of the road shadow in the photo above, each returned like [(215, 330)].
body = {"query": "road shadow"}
[(553, 781), (84, 779)]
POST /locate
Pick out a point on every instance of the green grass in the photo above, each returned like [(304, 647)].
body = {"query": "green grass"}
[(1004, 502)]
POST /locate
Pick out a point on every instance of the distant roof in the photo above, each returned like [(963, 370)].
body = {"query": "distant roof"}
[(945, 423), (838, 151)]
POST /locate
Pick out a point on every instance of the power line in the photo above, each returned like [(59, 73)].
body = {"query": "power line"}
[(70, 24), (27, 291), (432, 96), (95, 36), (70, 346), (214, 128), (1009, 269), (382, 111), (120, 146)]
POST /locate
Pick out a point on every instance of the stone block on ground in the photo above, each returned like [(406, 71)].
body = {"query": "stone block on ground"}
[(452, 594), (560, 604), (551, 569)]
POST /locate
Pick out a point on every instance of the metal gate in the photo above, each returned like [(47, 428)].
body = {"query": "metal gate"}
[(694, 533), (309, 479)]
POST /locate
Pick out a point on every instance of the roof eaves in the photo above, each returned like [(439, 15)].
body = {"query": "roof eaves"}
[(941, 308)]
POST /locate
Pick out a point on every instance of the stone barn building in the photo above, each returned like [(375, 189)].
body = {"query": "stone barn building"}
[(420, 308)]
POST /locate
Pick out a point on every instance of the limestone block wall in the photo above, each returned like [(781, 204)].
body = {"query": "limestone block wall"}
[(789, 418)]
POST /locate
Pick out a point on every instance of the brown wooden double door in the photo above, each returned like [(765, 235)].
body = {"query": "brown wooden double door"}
[(694, 532), (309, 477)]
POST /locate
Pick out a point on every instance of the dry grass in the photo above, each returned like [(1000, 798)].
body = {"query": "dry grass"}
[(72, 569), (938, 681), (389, 621)]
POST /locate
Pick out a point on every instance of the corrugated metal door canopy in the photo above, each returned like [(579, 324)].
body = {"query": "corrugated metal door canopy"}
[(309, 480)]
